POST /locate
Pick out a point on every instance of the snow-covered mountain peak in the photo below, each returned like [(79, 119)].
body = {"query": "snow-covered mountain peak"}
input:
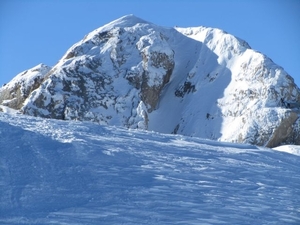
[(121, 23), (194, 81), (125, 21)]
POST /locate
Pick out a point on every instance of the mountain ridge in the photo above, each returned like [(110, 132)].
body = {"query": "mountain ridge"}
[(198, 81)]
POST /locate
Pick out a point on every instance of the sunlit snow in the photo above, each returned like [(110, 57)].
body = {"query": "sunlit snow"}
[(67, 172)]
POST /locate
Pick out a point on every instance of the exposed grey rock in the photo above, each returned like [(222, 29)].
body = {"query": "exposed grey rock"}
[(16, 92), (192, 81)]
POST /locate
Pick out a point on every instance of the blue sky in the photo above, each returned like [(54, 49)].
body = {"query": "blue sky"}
[(41, 31)]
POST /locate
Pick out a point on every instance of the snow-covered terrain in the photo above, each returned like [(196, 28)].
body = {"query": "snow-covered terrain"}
[(293, 149), (195, 81), (68, 172)]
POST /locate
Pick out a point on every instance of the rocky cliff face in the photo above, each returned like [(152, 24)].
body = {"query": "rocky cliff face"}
[(192, 81), (16, 91)]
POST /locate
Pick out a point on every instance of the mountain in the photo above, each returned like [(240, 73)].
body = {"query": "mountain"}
[(198, 81), (70, 172)]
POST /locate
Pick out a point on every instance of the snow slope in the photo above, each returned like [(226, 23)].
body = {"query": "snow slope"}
[(68, 172), (195, 81), (293, 149)]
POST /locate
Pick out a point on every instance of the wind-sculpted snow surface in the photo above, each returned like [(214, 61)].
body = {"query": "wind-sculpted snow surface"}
[(67, 172), (193, 81)]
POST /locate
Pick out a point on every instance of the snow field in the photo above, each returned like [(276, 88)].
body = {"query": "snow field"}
[(58, 172)]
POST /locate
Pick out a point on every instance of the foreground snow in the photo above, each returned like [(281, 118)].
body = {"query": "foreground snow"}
[(56, 172)]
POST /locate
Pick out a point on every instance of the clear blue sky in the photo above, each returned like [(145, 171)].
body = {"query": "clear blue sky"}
[(41, 31)]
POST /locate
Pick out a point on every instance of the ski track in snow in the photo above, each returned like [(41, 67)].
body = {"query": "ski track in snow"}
[(57, 172)]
